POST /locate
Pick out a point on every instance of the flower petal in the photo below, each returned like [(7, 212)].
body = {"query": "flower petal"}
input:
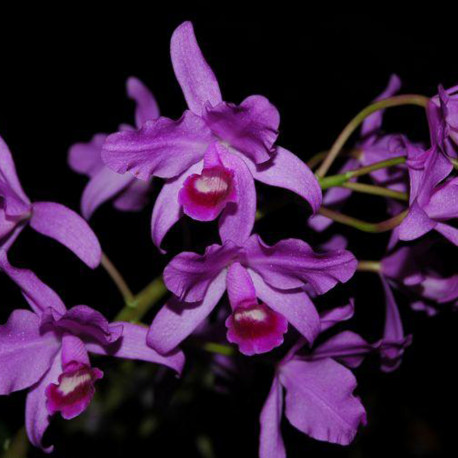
[(146, 106), (25, 354), (132, 345), (68, 228), (415, 224), (133, 198), (188, 275), (38, 295), (237, 220), (295, 306), (270, 440), (320, 401), (177, 320), (443, 204), (449, 232), (104, 185), (36, 413), (195, 76), (251, 127), (167, 210), (290, 263), (335, 315), (85, 158), (163, 148)]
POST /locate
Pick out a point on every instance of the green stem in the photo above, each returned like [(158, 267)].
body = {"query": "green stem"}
[(363, 225), (117, 278), (376, 190), (18, 446), (408, 99), (369, 266), (220, 349), (454, 162), (338, 180), (140, 304)]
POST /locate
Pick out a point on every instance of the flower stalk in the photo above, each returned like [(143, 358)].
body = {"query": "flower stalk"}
[(408, 99), (117, 278)]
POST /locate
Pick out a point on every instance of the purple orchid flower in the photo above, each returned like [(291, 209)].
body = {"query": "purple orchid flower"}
[(47, 353), (373, 147), (319, 389), (129, 194), (442, 112), (48, 218), (277, 275), (433, 198), (212, 154)]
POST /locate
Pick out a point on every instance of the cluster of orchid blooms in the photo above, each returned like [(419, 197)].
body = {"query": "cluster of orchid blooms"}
[(209, 160)]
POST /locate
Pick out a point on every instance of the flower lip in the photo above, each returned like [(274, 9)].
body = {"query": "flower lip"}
[(74, 390), (204, 196), (255, 328)]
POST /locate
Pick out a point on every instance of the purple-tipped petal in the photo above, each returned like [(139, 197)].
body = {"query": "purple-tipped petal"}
[(270, 440), (188, 275), (85, 158), (295, 306), (163, 148), (290, 263), (36, 413), (177, 320), (25, 354), (167, 209), (320, 401), (146, 106), (196, 78), (251, 127), (132, 345), (103, 186), (69, 229)]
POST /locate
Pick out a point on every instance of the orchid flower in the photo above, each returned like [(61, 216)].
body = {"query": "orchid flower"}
[(47, 353), (211, 156), (319, 389), (433, 198), (48, 218), (129, 194), (277, 275), (374, 146)]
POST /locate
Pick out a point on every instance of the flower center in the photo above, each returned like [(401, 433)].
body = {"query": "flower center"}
[(74, 390), (256, 328), (204, 196)]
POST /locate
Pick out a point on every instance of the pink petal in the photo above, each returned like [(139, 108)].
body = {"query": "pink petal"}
[(146, 106)]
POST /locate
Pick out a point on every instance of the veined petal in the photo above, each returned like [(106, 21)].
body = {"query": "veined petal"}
[(292, 263), (415, 224), (25, 354), (320, 401), (68, 228), (449, 232), (285, 170), (251, 127), (132, 345), (177, 320), (295, 306), (188, 275), (101, 187), (270, 440), (146, 108), (196, 78), (335, 315), (163, 148), (443, 204), (167, 209), (36, 412)]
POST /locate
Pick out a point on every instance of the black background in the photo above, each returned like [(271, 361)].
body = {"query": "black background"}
[(62, 79)]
